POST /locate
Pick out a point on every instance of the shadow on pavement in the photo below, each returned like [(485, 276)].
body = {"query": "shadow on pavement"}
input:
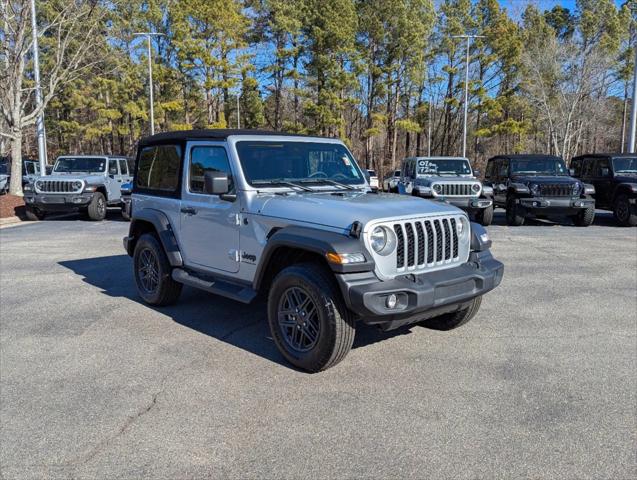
[(602, 219), (240, 325)]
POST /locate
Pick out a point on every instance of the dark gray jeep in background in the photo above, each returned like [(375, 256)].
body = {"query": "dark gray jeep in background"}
[(238, 213), (539, 185)]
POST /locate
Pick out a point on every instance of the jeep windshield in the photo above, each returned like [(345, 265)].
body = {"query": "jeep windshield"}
[(538, 166), (453, 166), (625, 165), (298, 164), (80, 165)]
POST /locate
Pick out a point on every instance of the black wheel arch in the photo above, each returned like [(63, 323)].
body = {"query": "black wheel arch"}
[(294, 244), (149, 220), (624, 189)]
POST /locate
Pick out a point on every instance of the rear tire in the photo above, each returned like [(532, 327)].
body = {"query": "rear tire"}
[(153, 273), (485, 216), (308, 320), (35, 214), (622, 212), (584, 218), (97, 208), (514, 215), (449, 321)]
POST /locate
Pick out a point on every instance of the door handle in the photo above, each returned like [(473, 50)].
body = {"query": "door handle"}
[(189, 211)]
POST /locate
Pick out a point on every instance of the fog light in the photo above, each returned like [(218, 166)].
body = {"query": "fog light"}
[(391, 301), (77, 200)]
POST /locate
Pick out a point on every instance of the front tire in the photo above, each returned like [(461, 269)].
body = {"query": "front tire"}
[(485, 216), (515, 215), (584, 218), (153, 273), (97, 208), (622, 212), (34, 214), (309, 323), (452, 320)]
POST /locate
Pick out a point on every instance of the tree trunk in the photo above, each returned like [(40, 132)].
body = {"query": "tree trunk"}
[(15, 185)]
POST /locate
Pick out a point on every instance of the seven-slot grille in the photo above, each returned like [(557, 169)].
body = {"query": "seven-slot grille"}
[(556, 190), (58, 186), (426, 243), (456, 190)]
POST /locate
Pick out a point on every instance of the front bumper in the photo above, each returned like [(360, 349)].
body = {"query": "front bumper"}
[(58, 201), (465, 203), (420, 296), (566, 205)]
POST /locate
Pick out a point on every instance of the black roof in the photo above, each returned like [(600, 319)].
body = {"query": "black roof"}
[(607, 155), (526, 156), (209, 134)]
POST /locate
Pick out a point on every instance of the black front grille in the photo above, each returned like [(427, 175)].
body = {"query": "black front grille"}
[(556, 190), (426, 242), (456, 189), (56, 186)]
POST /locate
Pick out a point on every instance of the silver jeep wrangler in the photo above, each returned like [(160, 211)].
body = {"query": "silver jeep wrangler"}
[(85, 183), (238, 213), (450, 180)]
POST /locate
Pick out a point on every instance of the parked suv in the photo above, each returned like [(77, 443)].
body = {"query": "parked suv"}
[(390, 183), (538, 185), (615, 180), (447, 179), (88, 183), (237, 213)]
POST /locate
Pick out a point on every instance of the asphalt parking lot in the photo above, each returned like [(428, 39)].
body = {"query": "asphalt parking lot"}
[(94, 384)]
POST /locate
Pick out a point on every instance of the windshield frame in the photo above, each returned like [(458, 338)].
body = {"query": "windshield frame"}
[(321, 184), (57, 162), (620, 171), (445, 173), (556, 161)]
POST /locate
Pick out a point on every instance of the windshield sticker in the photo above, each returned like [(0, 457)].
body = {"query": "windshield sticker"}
[(346, 161), (425, 166)]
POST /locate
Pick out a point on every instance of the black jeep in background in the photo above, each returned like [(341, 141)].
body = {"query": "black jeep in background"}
[(615, 181), (538, 185)]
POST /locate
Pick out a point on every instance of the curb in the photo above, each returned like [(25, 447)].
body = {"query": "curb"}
[(12, 221)]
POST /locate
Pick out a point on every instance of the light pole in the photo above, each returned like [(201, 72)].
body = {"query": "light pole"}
[(633, 112), (150, 77), (39, 123), (238, 111), (466, 90)]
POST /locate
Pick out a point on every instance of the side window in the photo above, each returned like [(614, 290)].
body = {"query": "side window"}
[(207, 159), (488, 173), (158, 168), (123, 167), (602, 163), (112, 167), (587, 167), (576, 165), (503, 168)]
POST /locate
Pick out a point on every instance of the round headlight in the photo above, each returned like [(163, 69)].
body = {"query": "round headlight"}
[(39, 184), (378, 239), (462, 227), (77, 185), (437, 187), (576, 188), (475, 187), (534, 188)]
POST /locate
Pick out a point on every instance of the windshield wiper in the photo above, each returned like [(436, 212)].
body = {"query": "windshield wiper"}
[(329, 182), (282, 182)]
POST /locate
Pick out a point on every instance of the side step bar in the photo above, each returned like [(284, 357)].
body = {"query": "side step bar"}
[(240, 293)]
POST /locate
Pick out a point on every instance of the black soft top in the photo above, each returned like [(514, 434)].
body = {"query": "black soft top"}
[(526, 156), (208, 134)]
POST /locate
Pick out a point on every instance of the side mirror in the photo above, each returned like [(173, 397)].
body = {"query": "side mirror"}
[(605, 172), (477, 173), (110, 175), (571, 172), (216, 183), (501, 187)]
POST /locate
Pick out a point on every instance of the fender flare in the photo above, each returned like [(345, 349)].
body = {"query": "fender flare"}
[(164, 230), (623, 188), (316, 241)]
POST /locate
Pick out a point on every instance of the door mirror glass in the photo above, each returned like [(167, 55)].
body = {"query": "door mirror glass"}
[(571, 172), (477, 173), (216, 183)]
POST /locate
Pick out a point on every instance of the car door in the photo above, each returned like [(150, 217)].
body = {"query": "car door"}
[(603, 181), (501, 180), (126, 175), (209, 225), (113, 180)]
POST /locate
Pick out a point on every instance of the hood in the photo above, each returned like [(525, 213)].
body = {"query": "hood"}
[(625, 178), (553, 179), (343, 209), (429, 180), (89, 179)]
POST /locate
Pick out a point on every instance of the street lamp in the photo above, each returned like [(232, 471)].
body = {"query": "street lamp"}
[(466, 90), (39, 122), (150, 77), (633, 112)]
